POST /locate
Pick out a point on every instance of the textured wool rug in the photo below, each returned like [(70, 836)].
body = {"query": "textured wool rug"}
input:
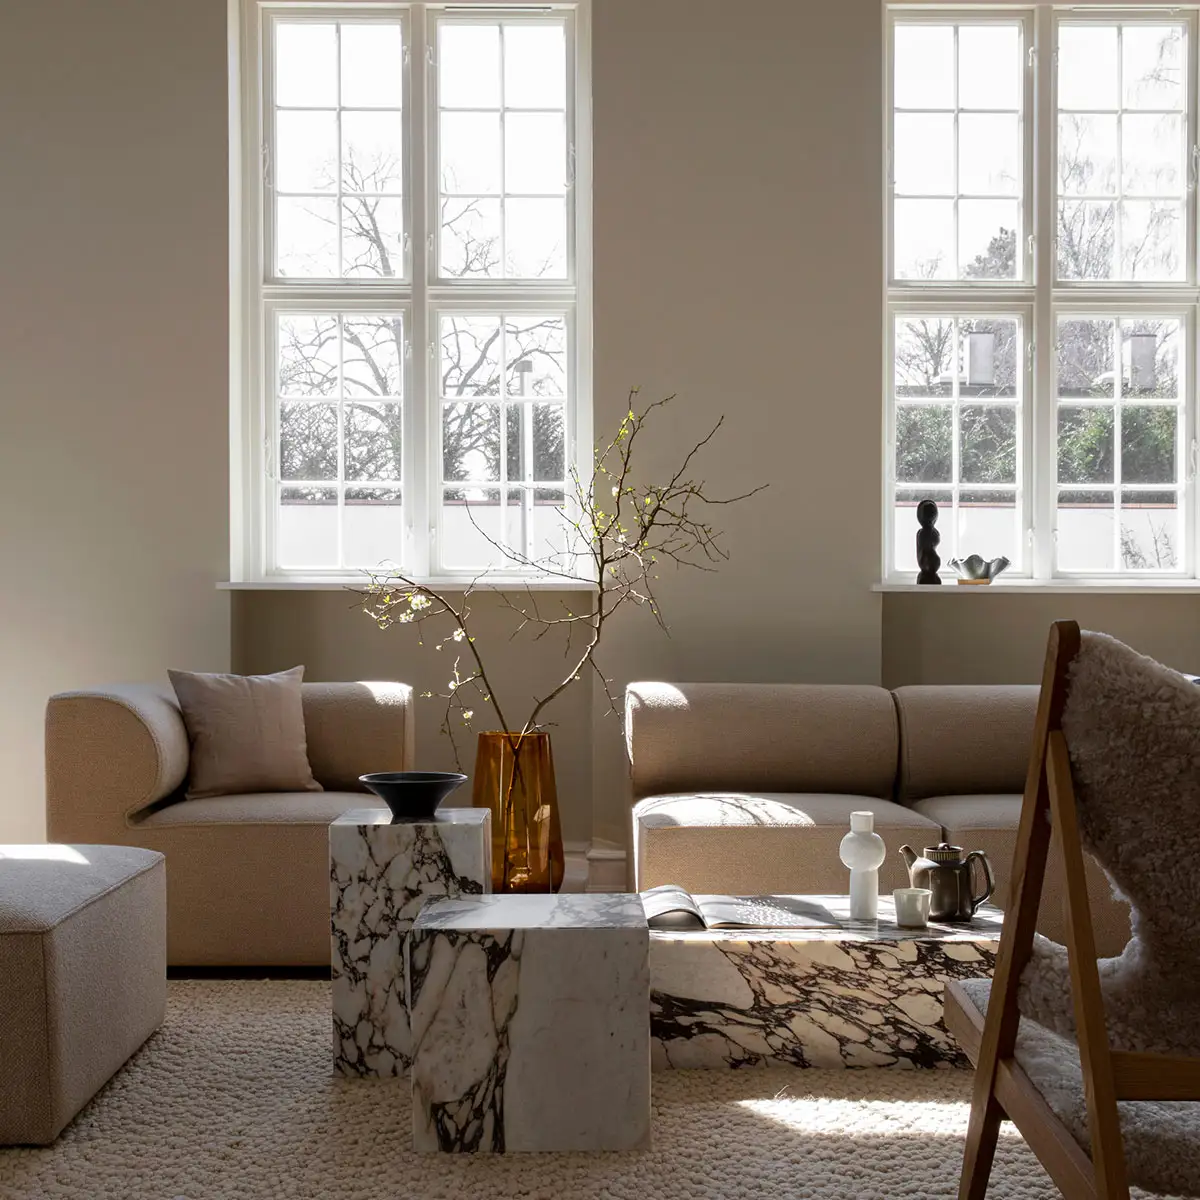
[(235, 1097)]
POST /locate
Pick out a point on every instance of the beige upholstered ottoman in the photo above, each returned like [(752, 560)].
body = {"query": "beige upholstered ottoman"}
[(83, 976)]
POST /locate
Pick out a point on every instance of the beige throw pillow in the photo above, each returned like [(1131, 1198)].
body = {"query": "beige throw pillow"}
[(246, 733)]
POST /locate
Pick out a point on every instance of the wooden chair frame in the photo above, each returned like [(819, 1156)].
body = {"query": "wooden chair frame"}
[(1002, 1089)]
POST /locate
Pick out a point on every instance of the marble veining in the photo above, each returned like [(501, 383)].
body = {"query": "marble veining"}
[(866, 994), (380, 873), (529, 1020)]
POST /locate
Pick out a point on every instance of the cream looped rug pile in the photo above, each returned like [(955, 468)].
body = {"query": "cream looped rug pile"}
[(235, 1097)]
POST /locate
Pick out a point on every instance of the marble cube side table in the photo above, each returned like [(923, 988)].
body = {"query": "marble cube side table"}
[(379, 876), (529, 1023)]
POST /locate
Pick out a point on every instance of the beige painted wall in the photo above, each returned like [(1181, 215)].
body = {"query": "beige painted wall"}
[(995, 638), (738, 208), (113, 358)]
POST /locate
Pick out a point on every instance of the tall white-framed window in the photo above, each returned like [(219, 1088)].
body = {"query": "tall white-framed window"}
[(414, 320), (1041, 288)]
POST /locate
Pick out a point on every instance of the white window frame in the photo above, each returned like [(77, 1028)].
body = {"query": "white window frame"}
[(1040, 295), (420, 296)]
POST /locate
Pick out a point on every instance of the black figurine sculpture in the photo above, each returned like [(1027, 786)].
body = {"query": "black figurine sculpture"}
[(928, 537)]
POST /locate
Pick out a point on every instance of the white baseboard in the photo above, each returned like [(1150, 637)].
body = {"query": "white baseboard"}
[(592, 868)]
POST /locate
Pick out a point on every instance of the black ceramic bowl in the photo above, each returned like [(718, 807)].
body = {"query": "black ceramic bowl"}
[(413, 795)]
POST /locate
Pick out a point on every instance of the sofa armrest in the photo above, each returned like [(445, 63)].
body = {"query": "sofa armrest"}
[(774, 737), (355, 728), (110, 753)]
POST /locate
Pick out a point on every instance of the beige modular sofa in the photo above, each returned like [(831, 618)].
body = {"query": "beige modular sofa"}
[(748, 788), (247, 875)]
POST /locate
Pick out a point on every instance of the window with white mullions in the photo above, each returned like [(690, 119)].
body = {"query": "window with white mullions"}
[(958, 433), (1122, 150), (957, 157), (338, 154), (340, 407), (1120, 438), (503, 150), (416, 331), (503, 384)]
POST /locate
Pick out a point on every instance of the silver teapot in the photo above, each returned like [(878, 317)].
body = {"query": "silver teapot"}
[(946, 872)]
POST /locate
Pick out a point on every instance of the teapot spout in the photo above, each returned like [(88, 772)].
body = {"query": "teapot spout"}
[(909, 855)]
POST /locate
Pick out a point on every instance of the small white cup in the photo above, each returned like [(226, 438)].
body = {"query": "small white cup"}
[(912, 907)]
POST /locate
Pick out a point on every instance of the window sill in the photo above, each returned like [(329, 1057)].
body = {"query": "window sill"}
[(494, 583), (1051, 587)]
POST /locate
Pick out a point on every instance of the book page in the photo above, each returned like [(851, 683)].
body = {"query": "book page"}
[(764, 912), (670, 907)]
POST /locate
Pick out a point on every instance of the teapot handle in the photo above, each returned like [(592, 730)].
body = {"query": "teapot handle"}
[(989, 879)]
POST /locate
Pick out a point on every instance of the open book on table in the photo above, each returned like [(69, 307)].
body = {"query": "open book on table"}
[(670, 907)]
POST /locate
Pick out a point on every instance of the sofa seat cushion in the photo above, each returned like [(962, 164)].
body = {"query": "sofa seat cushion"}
[(751, 843), (989, 823), (258, 808)]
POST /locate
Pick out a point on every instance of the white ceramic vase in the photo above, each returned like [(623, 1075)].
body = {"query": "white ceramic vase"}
[(863, 851)]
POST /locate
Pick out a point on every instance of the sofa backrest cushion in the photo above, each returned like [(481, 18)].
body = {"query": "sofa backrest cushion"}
[(963, 740), (773, 737), (355, 728)]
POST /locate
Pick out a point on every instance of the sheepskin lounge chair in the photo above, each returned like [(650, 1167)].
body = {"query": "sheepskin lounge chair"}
[(1096, 1063)]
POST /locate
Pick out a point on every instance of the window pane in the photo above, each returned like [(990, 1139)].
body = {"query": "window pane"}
[(1087, 66), (988, 444), (1152, 61), (924, 66), (536, 436), (306, 236), (535, 153), (372, 152), (924, 239), (307, 533), (989, 154), (535, 71), (1148, 444), (372, 350), (536, 349), (925, 443), (924, 154), (308, 355), (924, 356), (535, 239), (1087, 154), (1138, 155), (308, 441), (470, 239), (372, 237), (306, 151), (374, 441), (468, 66), (1085, 358), (471, 530), (1086, 531), (305, 64), (470, 356), (1085, 445), (987, 239), (373, 527), (470, 151), (1150, 531), (372, 65), (987, 352), (904, 525), (989, 525), (471, 441), (989, 66), (1150, 359)]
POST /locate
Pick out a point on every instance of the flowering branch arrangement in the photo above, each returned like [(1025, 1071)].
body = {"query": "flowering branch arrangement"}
[(622, 532)]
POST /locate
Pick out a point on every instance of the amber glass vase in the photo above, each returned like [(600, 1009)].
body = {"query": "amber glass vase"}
[(514, 777)]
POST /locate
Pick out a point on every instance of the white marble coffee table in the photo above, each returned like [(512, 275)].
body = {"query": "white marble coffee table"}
[(380, 874), (865, 995), (529, 1023)]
